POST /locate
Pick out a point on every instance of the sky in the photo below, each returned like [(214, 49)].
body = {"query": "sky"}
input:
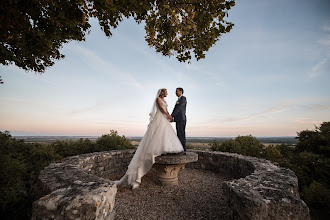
[(269, 76)]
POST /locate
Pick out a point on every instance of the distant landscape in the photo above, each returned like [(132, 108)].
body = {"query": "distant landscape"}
[(23, 157), (192, 142)]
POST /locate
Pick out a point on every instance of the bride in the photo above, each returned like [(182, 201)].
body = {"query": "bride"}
[(159, 138)]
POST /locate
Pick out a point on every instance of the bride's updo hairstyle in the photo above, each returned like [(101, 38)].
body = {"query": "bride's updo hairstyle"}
[(162, 93)]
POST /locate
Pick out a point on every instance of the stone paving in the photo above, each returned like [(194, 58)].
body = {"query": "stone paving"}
[(198, 196)]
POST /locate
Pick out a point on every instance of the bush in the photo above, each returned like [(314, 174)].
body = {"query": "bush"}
[(113, 141), (13, 191), (21, 163), (246, 145), (316, 141), (309, 160), (272, 153), (317, 195), (70, 148)]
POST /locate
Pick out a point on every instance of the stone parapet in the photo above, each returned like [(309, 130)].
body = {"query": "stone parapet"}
[(76, 188), (259, 189)]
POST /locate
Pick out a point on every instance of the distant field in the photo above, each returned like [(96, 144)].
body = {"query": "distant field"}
[(51, 139), (193, 142), (202, 143)]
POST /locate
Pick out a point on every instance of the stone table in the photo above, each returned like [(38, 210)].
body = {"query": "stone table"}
[(168, 166)]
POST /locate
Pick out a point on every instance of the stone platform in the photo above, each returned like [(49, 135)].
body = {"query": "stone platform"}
[(80, 187), (168, 166)]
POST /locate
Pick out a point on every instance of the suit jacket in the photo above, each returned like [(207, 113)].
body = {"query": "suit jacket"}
[(179, 111)]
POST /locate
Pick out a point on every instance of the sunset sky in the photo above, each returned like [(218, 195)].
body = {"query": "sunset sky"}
[(270, 76)]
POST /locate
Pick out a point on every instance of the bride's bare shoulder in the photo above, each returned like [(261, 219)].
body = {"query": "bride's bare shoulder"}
[(158, 100)]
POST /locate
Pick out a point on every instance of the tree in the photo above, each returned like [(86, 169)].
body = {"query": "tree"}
[(33, 31), (246, 145), (113, 141), (316, 141)]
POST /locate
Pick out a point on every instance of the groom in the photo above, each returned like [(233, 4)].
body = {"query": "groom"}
[(179, 116)]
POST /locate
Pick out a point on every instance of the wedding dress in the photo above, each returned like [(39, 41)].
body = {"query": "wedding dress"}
[(159, 138)]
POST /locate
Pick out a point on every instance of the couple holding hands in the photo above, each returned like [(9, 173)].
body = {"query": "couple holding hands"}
[(159, 138)]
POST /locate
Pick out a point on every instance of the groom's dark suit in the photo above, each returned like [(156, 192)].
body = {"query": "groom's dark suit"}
[(179, 116)]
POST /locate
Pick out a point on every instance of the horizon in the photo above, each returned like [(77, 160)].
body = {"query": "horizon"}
[(201, 137), (268, 77)]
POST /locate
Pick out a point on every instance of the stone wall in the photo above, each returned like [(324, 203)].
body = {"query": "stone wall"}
[(78, 188), (260, 189)]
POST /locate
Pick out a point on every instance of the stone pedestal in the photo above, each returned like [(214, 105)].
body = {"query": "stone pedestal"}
[(168, 166)]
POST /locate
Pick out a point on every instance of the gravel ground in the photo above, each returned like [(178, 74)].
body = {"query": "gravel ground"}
[(198, 196)]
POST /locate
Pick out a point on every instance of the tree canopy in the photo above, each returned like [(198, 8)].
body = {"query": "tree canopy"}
[(33, 31)]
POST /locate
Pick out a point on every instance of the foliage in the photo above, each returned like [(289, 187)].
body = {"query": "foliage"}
[(309, 159), (246, 145), (32, 32), (317, 195), (316, 141), (69, 148), (182, 27), (21, 163), (272, 153), (113, 141)]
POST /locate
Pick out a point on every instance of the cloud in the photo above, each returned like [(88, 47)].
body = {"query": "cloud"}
[(88, 109), (13, 99), (326, 27), (269, 113), (318, 69), (13, 69), (325, 41), (122, 122), (315, 107), (307, 121), (214, 77), (92, 59), (156, 59)]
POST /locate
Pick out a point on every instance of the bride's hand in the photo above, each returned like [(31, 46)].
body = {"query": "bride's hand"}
[(169, 117)]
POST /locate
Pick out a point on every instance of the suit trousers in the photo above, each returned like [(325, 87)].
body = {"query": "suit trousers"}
[(181, 132)]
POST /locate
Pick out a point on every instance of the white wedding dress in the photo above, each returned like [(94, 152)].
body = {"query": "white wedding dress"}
[(159, 138)]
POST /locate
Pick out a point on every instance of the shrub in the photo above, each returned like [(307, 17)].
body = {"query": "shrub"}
[(272, 153), (317, 195), (246, 145), (310, 160), (113, 141), (21, 163)]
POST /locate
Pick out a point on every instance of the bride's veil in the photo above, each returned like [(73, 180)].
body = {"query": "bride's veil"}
[(154, 107)]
